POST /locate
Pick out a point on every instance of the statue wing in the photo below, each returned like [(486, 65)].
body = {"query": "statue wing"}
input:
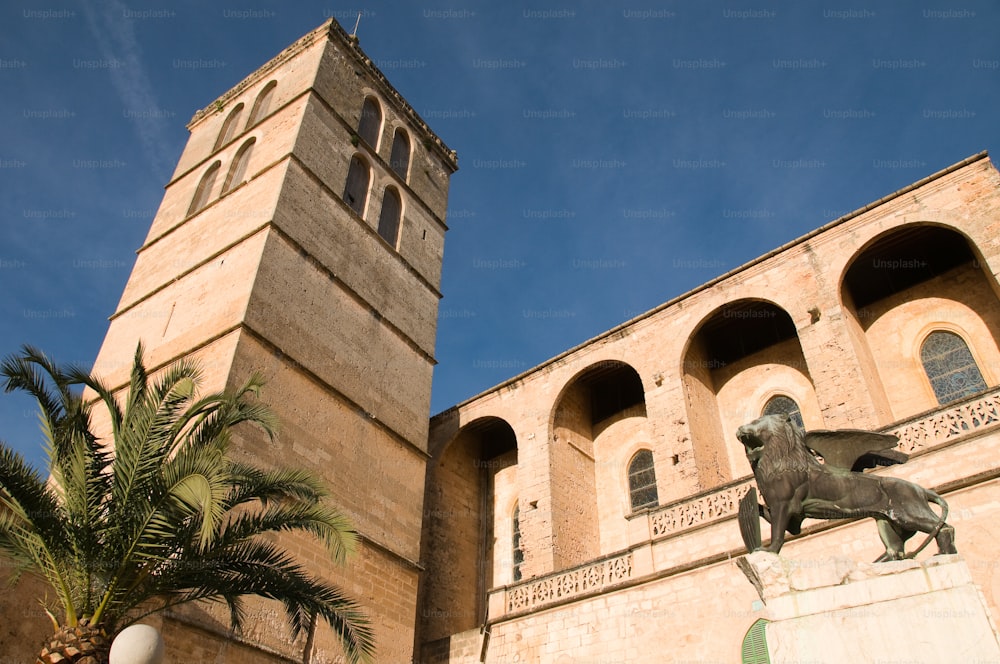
[(855, 449)]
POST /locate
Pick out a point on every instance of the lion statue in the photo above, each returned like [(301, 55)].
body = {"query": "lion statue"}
[(795, 485)]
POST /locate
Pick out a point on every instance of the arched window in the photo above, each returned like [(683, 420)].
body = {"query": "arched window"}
[(228, 127), (517, 557), (370, 125), (642, 481), (356, 189), (782, 405), (388, 220), (204, 190), (239, 168), (950, 367), (261, 105), (399, 160)]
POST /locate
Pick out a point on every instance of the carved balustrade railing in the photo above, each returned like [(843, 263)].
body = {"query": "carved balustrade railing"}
[(584, 580), (698, 510), (940, 426)]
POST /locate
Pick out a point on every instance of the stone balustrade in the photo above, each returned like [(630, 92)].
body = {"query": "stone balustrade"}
[(585, 580), (698, 510), (948, 424)]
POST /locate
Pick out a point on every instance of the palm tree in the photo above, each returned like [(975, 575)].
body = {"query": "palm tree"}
[(162, 515)]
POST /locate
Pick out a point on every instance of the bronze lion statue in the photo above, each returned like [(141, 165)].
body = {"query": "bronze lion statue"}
[(795, 485)]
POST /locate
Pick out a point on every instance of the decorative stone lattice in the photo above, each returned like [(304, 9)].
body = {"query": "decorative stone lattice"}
[(580, 581), (699, 510), (949, 423)]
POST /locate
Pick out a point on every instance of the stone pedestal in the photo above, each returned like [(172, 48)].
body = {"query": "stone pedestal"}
[(836, 610)]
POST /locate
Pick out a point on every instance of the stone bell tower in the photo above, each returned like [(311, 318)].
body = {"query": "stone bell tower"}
[(301, 236)]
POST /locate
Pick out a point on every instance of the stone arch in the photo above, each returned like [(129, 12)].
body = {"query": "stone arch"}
[(359, 176), (228, 131), (472, 481), (206, 186), (370, 122), (600, 410), (262, 104), (900, 285), (739, 353), (399, 158), (238, 169), (390, 218)]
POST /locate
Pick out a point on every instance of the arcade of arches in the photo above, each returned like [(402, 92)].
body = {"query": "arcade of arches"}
[(904, 323)]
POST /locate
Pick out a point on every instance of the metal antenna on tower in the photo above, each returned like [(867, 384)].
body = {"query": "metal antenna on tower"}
[(356, 23)]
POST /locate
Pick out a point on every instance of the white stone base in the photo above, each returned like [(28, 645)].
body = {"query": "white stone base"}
[(836, 610)]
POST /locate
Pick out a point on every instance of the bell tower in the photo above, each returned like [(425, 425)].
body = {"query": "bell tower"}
[(302, 236)]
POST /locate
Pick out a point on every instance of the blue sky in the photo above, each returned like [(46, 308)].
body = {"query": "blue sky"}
[(612, 155)]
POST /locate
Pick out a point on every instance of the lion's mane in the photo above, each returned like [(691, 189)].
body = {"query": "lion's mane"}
[(784, 450)]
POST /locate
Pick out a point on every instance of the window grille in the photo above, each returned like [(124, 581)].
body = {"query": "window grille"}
[(518, 553), (950, 367), (642, 481), (782, 405)]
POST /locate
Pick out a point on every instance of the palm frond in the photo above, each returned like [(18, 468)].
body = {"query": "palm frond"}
[(34, 529), (253, 483), (258, 568), (160, 515), (325, 523), (24, 372)]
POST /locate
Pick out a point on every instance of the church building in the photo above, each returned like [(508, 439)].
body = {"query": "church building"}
[(584, 510)]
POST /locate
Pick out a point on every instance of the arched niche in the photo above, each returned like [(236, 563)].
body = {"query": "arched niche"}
[(900, 287), (461, 515), (741, 353), (600, 411)]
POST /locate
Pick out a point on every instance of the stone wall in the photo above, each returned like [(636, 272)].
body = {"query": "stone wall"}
[(844, 368)]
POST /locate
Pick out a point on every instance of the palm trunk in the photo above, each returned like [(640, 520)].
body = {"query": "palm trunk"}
[(83, 644)]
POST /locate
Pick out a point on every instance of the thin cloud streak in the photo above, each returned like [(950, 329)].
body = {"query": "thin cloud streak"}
[(115, 36)]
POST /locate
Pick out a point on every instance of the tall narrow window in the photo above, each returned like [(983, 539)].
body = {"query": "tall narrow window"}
[(356, 189), (229, 127), (261, 105), (388, 221), (950, 367), (642, 481), (399, 160), (239, 168), (517, 556), (370, 125), (204, 190), (782, 405)]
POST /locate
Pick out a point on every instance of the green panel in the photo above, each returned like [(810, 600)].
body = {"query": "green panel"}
[(754, 649)]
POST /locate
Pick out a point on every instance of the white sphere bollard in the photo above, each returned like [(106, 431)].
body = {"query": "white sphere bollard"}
[(137, 644)]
